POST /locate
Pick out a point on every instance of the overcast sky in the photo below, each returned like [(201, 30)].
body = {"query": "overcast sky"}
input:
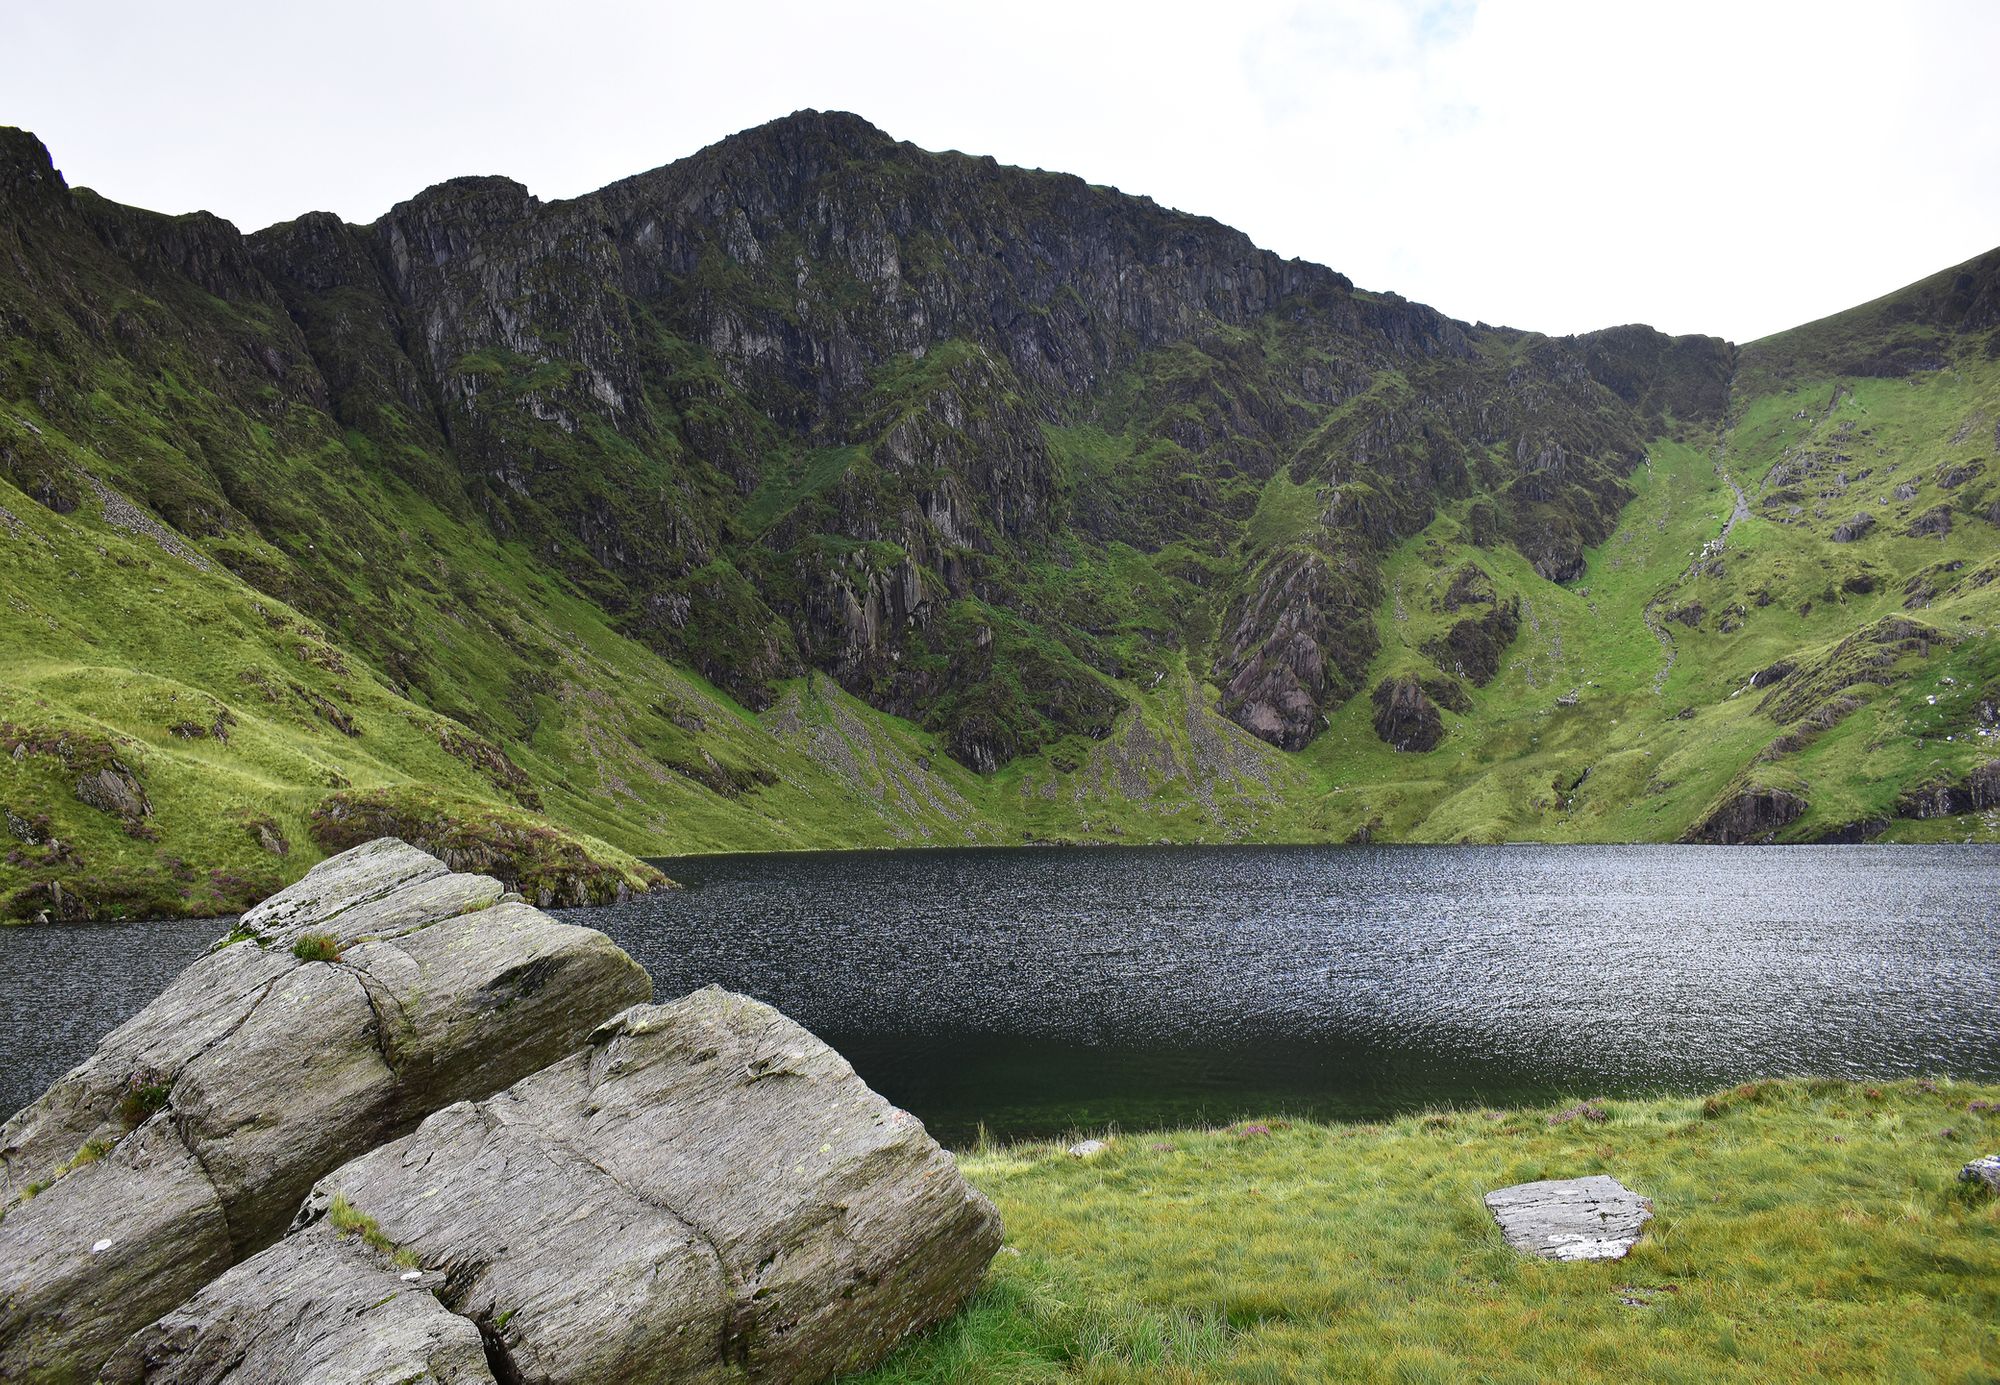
[(1733, 167)]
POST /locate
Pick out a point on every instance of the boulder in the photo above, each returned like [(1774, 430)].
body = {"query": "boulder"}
[(1594, 1218), (115, 790), (704, 1192), (346, 1008), (1984, 1170), (316, 1309)]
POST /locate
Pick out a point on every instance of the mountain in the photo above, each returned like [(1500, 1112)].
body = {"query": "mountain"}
[(817, 490)]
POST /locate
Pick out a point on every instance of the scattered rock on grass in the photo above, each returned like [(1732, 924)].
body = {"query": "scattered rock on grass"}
[(1985, 1170), (1594, 1218)]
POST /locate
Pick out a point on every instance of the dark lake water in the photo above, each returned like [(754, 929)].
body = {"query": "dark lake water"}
[(1038, 991)]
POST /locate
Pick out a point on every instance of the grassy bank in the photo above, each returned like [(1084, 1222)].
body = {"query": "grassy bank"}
[(1803, 1230)]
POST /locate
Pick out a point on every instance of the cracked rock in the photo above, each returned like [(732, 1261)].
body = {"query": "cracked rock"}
[(318, 1309), (1594, 1218), (192, 1133), (705, 1192)]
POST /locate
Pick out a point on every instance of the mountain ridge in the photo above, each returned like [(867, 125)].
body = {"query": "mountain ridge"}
[(1094, 498)]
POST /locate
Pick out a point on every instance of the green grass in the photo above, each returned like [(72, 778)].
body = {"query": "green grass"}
[(349, 1220), (348, 618), (316, 947), (1803, 1230)]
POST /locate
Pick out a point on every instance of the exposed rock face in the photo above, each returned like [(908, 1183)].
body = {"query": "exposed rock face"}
[(1934, 801), (774, 1219), (1978, 791), (1932, 523), (1748, 815), (205, 1118), (115, 790), (874, 346), (1594, 1218), (1405, 716), (1474, 646), (1982, 785), (1298, 639), (319, 1308), (1849, 530)]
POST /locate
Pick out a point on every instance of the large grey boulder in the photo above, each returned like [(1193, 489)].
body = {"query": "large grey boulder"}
[(1983, 1170), (1594, 1218), (706, 1192), (317, 1309), (188, 1139)]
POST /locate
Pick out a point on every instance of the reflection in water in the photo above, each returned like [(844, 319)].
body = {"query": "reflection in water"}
[(1039, 989)]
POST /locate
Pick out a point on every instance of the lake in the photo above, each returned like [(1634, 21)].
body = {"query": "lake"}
[(1037, 991)]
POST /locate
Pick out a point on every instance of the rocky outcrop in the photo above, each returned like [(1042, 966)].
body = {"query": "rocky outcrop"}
[(703, 1192), (341, 1012), (1976, 792), (1474, 646), (1934, 523), (1297, 639), (1856, 527), (1594, 1218), (1748, 814), (547, 865), (1405, 716)]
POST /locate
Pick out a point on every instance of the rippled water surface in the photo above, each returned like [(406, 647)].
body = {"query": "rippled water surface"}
[(1037, 990)]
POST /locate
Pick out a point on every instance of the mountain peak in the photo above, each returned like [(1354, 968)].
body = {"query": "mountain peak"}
[(27, 172)]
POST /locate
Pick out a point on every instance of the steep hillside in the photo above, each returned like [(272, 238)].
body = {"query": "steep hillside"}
[(820, 491)]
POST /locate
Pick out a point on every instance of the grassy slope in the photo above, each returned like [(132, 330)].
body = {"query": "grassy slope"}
[(1506, 769), (481, 681), (1802, 1230)]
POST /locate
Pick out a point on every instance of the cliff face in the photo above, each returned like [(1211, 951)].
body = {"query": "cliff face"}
[(458, 496), (791, 402)]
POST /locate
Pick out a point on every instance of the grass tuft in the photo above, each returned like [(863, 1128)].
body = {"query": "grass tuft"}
[(317, 947), (350, 1220)]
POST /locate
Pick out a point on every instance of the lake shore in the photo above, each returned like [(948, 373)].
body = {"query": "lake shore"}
[(1804, 1229)]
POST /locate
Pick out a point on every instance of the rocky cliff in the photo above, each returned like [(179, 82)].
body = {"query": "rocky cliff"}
[(557, 508)]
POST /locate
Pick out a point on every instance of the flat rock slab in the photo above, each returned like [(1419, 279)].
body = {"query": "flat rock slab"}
[(1594, 1218), (316, 1309)]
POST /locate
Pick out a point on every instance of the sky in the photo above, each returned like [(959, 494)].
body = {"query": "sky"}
[(1731, 167)]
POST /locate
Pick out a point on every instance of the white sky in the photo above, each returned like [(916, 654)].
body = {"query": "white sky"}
[(1733, 167)]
